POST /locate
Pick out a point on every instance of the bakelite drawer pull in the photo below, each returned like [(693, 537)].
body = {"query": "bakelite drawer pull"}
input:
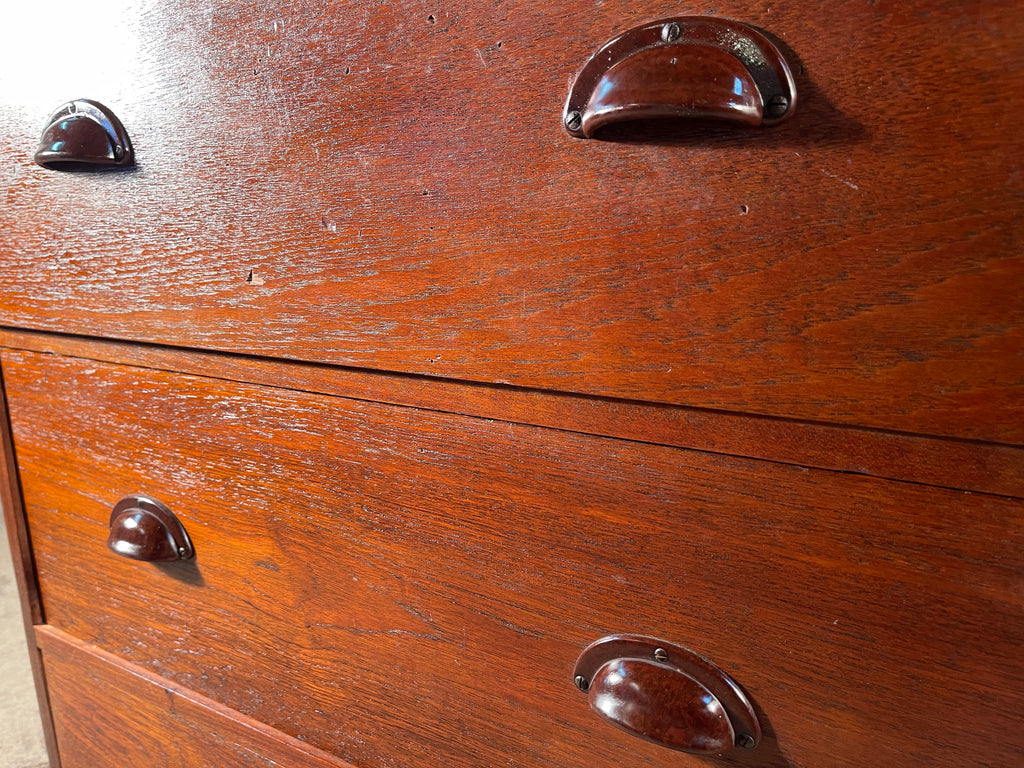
[(142, 528), (83, 134), (666, 694), (689, 67)]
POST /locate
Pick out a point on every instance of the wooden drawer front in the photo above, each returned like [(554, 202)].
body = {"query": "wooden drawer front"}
[(109, 714), (390, 186), (398, 585)]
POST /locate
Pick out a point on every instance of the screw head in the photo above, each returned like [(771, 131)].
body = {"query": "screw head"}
[(660, 654), (582, 683), (574, 121), (777, 106), (670, 32), (746, 741)]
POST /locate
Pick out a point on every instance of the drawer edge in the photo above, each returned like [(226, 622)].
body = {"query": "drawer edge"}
[(943, 462), (160, 694)]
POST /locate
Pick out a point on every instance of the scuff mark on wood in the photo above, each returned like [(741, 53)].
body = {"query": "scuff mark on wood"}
[(837, 178)]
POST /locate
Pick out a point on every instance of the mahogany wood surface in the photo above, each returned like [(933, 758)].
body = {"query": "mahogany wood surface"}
[(389, 186), (111, 714), (397, 586), (18, 539), (949, 463)]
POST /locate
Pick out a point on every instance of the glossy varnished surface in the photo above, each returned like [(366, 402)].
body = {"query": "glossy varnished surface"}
[(390, 187), (395, 585)]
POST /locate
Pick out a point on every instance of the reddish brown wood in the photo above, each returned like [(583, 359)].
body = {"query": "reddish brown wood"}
[(384, 196), (982, 467), (18, 539), (389, 186), (395, 585), (111, 713)]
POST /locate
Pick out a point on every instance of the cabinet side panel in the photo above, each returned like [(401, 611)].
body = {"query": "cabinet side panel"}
[(21, 725)]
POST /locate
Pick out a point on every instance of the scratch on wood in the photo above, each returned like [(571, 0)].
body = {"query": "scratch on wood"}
[(844, 181)]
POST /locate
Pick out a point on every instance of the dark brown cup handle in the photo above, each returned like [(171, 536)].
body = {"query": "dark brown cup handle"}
[(683, 67), (84, 134), (666, 694), (142, 528)]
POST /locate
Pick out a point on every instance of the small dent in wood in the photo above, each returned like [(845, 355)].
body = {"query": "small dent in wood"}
[(253, 279), (170, 702), (913, 355)]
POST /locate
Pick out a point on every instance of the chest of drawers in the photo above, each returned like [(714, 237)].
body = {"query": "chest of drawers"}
[(442, 394)]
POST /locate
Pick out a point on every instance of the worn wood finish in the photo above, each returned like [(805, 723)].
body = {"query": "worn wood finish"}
[(111, 713), (966, 465), (389, 186), (399, 586)]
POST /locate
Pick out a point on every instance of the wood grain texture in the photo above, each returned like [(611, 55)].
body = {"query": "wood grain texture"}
[(397, 586), (110, 713), (389, 187), (13, 513), (947, 463)]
